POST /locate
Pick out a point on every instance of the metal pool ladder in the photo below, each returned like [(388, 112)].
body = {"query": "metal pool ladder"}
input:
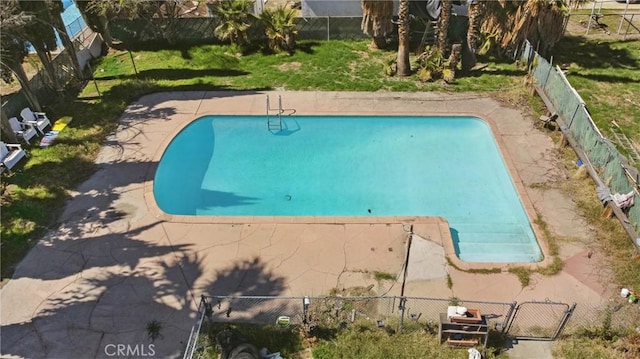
[(274, 124)]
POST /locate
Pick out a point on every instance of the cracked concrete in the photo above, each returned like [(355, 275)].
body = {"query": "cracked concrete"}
[(115, 262)]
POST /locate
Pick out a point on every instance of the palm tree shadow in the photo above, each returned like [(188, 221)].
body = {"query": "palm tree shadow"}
[(246, 277), (247, 292), (112, 306)]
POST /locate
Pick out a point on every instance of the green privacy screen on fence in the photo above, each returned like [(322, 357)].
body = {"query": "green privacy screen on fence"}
[(601, 152)]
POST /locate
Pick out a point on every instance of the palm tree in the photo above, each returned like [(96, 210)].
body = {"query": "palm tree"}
[(42, 36), (473, 34), (377, 16), (511, 22), (13, 53), (234, 20), (541, 24), (7, 132), (55, 10), (280, 28), (443, 26), (403, 65), (13, 50)]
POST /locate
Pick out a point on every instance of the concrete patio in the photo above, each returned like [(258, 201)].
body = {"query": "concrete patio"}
[(116, 262)]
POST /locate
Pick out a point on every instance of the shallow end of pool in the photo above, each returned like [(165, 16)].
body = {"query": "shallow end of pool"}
[(452, 255)]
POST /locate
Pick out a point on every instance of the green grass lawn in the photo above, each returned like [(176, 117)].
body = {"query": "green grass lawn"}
[(606, 74), (329, 66)]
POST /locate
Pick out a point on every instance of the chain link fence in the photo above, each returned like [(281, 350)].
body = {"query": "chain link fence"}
[(337, 312), (602, 154), (546, 320), (331, 311), (539, 320), (76, 26), (330, 28), (427, 310), (139, 32), (617, 316), (203, 311)]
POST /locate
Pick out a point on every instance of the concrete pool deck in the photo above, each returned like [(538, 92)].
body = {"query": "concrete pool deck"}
[(116, 262)]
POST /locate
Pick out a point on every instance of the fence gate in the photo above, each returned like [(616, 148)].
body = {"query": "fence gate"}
[(539, 320)]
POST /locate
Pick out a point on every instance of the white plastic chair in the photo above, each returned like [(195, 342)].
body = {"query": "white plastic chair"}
[(23, 130), (38, 119), (10, 154)]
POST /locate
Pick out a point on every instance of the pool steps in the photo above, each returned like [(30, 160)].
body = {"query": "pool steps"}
[(496, 243)]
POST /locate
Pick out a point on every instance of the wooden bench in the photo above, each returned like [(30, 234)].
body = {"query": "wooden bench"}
[(463, 342)]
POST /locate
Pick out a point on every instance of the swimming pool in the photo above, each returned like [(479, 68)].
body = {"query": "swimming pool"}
[(352, 166)]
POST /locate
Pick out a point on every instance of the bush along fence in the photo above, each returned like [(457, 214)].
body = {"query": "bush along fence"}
[(534, 320), (618, 181)]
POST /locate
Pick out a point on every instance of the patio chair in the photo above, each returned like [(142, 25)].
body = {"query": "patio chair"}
[(25, 131), (38, 119), (10, 155)]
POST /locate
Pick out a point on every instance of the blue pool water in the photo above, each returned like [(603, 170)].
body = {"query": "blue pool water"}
[(348, 166)]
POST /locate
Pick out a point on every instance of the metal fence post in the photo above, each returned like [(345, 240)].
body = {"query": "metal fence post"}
[(509, 317), (208, 310), (544, 85), (328, 28), (203, 311), (574, 116), (530, 57), (564, 322), (402, 306)]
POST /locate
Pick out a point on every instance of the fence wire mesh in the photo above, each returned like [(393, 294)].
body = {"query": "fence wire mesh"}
[(611, 165), (201, 30), (327, 312), (334, 310), (192, 343), (255, 310), (532, 320), (541, 320), (617, 316), (427, 310)]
